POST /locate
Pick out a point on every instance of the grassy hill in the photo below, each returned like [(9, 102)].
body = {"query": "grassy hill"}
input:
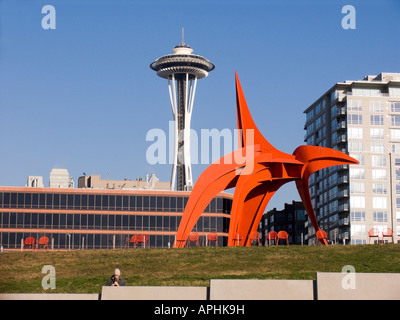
[(86, 271)]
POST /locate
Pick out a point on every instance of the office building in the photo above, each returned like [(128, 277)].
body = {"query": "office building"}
[(361, 118), (290, 219)]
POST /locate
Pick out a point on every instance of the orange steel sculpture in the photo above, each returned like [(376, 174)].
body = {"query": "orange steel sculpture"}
[(256, 170)]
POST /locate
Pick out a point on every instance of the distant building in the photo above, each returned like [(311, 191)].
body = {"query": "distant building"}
[(95, 182), (59, 178), (360, 118), (102, 214), (35, 182), (291, 219)]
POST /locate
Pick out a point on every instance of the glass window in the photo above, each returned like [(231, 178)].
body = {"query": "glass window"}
[(90, 221), (357, 202), (132, 203), (160, 204), (380, 216), (84, 202), (146, 203), (376, 106), (118, 202), (166, 204), (355, 119), (70, 202), (395, 107), (104, 202), (355, 133), (179, 204), (77, 201), (91, 202), (49, 201), (111, 203), (377, 147), (379, 188), (63, 201), (84, 221), (125, 203), (56, 201), (377, 133), (172, 204), (378, 160), (35, 200), (63, 221), (379, 203), (357, 230), (377, 119), (357, 215), (354, 105), (21, 200), (98, 202), (139, 201), (395, 121), (378, 174)]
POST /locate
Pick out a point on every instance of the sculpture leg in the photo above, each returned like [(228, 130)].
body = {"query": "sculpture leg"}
[(219, 176)]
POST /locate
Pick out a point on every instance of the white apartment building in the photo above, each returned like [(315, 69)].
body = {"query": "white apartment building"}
[(360, 118)]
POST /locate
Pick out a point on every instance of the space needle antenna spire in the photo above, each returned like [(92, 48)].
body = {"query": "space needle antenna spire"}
[(182, 69)]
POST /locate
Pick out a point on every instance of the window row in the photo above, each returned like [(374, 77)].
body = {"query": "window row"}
[(79, 241), (107, 222), (105, 202)]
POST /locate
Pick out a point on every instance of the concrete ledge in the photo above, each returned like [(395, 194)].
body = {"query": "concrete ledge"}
[(154, 293), (48, 296), (261, 290), (358, 286)]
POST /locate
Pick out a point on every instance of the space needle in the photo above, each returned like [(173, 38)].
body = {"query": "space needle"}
[(182, 69)]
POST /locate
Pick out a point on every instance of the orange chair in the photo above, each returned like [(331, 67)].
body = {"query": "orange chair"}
[(272, 235), (237, 239), (30, 241), (283, 235), (255, 236), (321, 235), (134, 240), (143, 238), (212, 237), (388, 233), (44, 241), (373, 233), (194, 237)]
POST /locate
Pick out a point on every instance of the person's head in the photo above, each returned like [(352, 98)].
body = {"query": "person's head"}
[(117, 273)]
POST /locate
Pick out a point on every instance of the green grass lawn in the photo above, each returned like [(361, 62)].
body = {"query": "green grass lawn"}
[(86, 271)]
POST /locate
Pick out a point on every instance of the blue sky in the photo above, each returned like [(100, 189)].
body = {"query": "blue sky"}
[(83, 97)]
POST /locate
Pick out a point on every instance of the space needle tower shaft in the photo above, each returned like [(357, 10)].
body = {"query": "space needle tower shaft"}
[(182, 69)]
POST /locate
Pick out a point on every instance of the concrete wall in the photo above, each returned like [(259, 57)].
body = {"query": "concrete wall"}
[(154, 293), (358, 286), (48, 296), (328, 286), (261, 290)]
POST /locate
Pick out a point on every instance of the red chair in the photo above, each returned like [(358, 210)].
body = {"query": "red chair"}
[(143, 238), (272, 235), (30, 241), (44, 241), (388, 233), (373, 233), (194, 237), (134, 240), (238, 239), (283, 235), (255, 236), (212, 237), (321, 235)]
